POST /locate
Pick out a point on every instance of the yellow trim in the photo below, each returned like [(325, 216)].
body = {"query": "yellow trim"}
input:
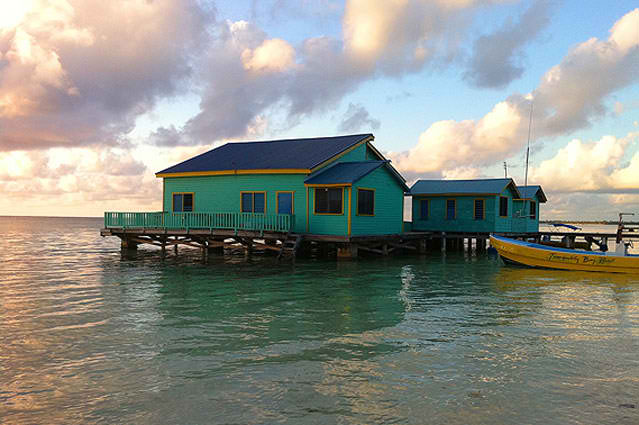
[(483, 209), (350, 193), (446, 209), (235, 172), (367, 215), (448, 195), (253, 200), (315, 197), (277, 201), (503, 216), (163, 195), (328, 185), (308, 200), (352, 148), (183, 193)]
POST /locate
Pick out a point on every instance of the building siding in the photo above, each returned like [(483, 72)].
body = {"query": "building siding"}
[(389, 201), (222, 193)]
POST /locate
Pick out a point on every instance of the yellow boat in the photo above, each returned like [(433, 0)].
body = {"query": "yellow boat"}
[(536, 255)]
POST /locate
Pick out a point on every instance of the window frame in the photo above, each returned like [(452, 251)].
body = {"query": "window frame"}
[(483, 209), (277, 201), (506, 198), (421, 210), (368, 190), (182, 193), (252, 192), (315, 200), (533, 210), (454, 211)]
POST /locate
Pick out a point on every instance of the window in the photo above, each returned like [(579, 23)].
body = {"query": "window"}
[(285, 202), (451, 209), (423, 209), (253, 202), (365, 202), (182, 202), (503, 206), (479, 209), (533, 210), (329, 200)]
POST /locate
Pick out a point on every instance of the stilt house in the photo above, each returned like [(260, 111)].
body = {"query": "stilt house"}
[(475, 206), (326, 186)]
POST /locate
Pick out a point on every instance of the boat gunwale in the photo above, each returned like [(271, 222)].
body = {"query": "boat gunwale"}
[(534, 245)]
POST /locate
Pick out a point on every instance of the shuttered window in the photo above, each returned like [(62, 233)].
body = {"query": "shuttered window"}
[(451, 209), (253, 202), (533, 210), (329, 200), (423, 209), (479, 209), (365, 202), (182, 202), (503, 206)]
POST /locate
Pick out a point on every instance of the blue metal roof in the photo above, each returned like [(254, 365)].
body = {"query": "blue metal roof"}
[(528, 192), (350, 172), (462, 187), (274, 154)]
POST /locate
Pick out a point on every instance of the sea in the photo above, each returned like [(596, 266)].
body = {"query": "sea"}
[(89, 336)]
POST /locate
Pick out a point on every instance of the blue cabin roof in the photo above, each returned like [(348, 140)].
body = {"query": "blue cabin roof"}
[(463, 187), (269, 155), (350, 172), (528, 192)]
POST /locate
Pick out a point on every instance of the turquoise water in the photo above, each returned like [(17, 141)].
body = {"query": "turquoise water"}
[(87, 336)]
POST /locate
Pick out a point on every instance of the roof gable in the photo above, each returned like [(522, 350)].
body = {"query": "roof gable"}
[(291, 154), (350, 172), (529, 192), (463, 187)]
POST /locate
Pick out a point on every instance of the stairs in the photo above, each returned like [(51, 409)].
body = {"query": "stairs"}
[(290, 245)]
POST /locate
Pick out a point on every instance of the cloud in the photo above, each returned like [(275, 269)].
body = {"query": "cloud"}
[(253, 82), (591, 167), (357, 118), (76, 72), (496, 58), (569, 96)]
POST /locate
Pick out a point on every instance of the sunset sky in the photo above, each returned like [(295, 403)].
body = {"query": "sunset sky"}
[(97, 96)]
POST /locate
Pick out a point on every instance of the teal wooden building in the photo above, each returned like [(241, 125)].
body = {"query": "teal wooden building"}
[(526, 209), (475, 206), (339, 186)]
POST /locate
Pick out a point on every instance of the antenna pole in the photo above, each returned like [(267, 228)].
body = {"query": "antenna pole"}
[(505, 170), (528, 143)]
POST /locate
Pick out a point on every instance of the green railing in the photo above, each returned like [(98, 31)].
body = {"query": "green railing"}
[(200, 220)]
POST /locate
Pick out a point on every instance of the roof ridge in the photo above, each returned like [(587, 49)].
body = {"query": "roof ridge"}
[(298, 139)]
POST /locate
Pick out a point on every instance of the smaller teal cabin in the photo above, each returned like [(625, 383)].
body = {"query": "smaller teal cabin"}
[(340, 186), (471, 206), (526, 209)]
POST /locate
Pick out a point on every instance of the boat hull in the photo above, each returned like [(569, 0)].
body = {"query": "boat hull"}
[(535, 255)]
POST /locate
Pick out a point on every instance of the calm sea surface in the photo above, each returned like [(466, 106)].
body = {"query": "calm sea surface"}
[(87, 336)]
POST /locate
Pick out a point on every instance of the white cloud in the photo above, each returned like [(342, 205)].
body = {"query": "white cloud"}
[(569, 97), (591, 167)]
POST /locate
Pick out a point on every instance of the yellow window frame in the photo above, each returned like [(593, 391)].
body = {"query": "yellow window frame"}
[(182, 193), (277, 200), (446, 209), (242, 192), (371, 190), (483, 209), (327, 187)]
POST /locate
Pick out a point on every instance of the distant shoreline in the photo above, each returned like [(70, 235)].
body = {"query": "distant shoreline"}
[(602, 222)]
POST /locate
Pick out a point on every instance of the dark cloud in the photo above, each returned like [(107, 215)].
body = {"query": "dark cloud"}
[(497, 58), (357, 118)]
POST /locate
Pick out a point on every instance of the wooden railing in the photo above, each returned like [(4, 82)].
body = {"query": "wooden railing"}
[(200, 220)]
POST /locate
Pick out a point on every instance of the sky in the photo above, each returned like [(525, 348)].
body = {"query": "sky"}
[(96, 97)]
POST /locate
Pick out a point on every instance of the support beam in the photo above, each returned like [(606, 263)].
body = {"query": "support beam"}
[(347, 251)]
